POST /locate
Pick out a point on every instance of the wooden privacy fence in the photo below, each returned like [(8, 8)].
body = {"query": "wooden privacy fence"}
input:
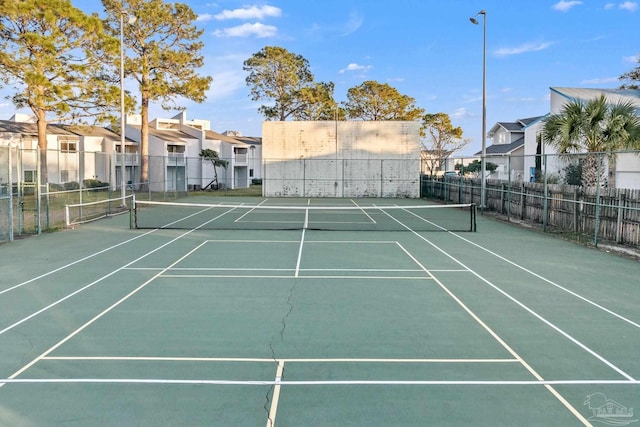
[(610, 214)]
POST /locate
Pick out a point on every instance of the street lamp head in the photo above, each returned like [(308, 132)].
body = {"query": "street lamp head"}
[(473, 18)]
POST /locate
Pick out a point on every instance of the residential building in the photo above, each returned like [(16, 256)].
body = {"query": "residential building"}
[(78, 153), (180, 141), (518, 150), (508, 149)]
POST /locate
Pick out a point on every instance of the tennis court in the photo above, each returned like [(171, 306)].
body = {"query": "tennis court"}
[(331, 312)]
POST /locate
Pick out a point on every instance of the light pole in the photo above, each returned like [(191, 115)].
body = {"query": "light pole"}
[(483, 160), (123, 125)]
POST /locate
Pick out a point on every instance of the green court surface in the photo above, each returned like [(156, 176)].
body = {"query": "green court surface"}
[(102, 325)]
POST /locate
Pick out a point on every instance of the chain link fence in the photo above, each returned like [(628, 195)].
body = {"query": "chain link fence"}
[(35, 188), (580, 196)]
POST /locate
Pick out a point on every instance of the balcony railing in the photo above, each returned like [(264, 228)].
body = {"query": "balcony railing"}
[(130, 159), (176, 159), (241, 158)]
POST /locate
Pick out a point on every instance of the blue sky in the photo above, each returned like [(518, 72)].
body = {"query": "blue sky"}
[(427, 49)]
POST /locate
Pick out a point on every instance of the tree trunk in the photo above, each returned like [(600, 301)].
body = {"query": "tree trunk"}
[(593, 171), (144, 144), (41, 123)]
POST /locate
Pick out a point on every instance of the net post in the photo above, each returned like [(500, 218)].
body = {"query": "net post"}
[(66, 215), (133, 218), (474, 210)]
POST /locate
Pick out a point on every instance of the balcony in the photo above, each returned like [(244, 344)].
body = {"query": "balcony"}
[(176, 159), (241, 159), (130, 159)]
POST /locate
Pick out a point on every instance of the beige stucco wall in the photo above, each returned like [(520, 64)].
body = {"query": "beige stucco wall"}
[(341, 159)]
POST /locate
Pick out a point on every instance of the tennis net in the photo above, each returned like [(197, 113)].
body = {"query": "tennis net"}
[(79, 213), (175, 215)]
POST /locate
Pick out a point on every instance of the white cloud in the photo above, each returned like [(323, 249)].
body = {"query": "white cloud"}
[(564, 6), (250, 12), (247, 30), (525, 48), (355, 22), (225, 84), (631, 59), (598, 81), (629, 5), (356, 67), (609, 6), (461, 113), (204, 17)]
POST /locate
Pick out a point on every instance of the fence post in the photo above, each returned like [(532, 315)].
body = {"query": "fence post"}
[(545, 202), (10, 192), (523, 201), (621, 203), (576, 211), (596, 226), (509, 193)]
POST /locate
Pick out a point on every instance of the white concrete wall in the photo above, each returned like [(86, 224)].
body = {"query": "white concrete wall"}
[(628, 170), (341, 159)]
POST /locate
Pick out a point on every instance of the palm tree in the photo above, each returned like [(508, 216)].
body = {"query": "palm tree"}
[(593, 127), (210, 155)]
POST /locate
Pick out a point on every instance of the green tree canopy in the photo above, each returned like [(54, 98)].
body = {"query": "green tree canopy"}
[(439, 140), (318, 103), (632, 78), (379, 101), (166, 50), (475, 167), (284, 79), (594, 126), (51, 55)]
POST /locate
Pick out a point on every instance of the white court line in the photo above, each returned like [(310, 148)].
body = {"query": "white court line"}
[(299, 260), (374, 270), (276, 382), (272, 360), (372, 221), (487, 328), (98, 316), (34, 361), (244, 276), (518, 302), (84, 288), (570, 292), (271, 419), (75, 262)]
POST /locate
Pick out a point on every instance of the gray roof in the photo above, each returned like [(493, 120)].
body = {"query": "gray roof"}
[(503, 148), (242, 140), (529, 120), (226, 138), (612, 95), (517, 126), (511, 127), (168, 135), (31, 129)]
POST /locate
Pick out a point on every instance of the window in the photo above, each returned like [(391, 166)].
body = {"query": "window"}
[(250, 173), (30, 176), (29, 144), (68, 146), (67, 176)]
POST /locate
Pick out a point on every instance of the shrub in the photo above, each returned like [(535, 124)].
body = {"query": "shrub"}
[(71, 185), (94, 183)]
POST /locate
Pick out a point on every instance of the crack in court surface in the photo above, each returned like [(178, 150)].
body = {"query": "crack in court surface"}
[(283, 323)]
